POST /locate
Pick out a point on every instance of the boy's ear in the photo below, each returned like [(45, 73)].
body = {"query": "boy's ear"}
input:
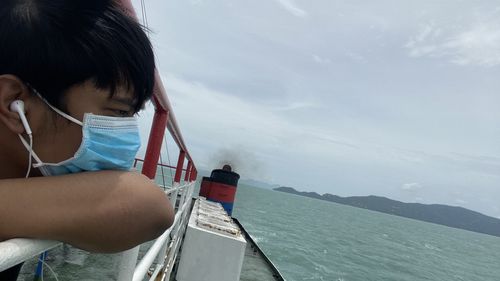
[(11, 89)]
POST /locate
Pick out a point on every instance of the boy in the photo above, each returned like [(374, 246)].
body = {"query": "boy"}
[(80, 69)]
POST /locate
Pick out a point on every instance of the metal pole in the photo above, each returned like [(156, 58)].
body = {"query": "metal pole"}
[(188, 171), (126, 266), (195, 175), (191, 171), (39, 267), (180, 165), (155, 142)]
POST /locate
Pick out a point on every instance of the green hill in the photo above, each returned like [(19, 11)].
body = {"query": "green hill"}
[(456, 217)]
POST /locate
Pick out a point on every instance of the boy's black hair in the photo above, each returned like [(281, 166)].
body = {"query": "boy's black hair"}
[(55, 44)]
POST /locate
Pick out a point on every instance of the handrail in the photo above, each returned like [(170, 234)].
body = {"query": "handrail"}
[(148, 259), (164, 103), (177, 188), (159, 164), (16, 251)]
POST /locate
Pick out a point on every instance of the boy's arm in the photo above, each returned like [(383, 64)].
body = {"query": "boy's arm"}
[(106, 211)]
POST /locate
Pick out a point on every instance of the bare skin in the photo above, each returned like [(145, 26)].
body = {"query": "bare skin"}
[(105, 211)]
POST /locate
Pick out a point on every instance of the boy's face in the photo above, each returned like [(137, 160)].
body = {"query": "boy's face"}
[(55, 138), (59, 139)]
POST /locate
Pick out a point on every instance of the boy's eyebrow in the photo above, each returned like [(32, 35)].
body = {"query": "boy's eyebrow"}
[(125, 101)]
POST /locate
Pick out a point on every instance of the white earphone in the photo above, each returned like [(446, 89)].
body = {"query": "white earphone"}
[(18, 106)]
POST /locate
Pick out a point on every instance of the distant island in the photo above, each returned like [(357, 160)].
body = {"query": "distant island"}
[(456, 217)]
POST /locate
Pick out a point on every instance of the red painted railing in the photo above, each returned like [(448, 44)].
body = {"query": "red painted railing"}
[(164, 117)]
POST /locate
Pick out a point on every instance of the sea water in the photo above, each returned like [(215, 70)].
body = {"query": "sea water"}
[(310, 239)]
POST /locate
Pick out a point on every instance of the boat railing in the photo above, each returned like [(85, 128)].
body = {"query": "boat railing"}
[(161, 254), (16, 251), (160, 257)]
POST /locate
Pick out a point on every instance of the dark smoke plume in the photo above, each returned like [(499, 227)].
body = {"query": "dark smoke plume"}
[(241, 161)]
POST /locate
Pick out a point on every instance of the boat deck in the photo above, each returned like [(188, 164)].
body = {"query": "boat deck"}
[(256, 265)]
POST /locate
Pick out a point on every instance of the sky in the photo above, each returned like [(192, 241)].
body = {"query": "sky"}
[(391, 98)]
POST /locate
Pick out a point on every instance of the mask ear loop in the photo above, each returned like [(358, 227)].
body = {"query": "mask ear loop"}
[(30, 155), (29, 147), (70, 118)]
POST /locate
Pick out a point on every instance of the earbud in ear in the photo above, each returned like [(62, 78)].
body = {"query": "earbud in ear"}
[(18, 106)]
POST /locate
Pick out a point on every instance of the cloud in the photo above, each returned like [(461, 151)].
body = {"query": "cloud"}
[(477, 45), (291, 7), (411, 186), (297, 105), (321, 60), (483, 165), (356, 57), (219, 111), (287, 82), (214, 119)]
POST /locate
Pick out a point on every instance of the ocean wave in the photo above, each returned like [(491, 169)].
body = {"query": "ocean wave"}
[(432, 247)]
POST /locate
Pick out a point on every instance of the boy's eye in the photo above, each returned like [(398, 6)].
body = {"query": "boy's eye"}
[(121, 113)]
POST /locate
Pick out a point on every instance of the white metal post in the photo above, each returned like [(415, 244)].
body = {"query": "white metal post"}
[(173, 198), (127, 264)]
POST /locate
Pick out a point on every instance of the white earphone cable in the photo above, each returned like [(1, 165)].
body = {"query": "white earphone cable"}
[(50, 268), (30, 156)]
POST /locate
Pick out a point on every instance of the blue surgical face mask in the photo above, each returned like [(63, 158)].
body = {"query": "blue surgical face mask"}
[(108, 143)]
